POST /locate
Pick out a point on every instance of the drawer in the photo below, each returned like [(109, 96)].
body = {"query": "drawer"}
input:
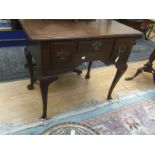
[(62, 53), (59, 56), (104, 46), (94, 50)]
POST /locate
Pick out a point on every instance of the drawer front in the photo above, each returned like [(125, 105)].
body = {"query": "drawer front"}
[(94, 50), (103, 46), (60, 56)]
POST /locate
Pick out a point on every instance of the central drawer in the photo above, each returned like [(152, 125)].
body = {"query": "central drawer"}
[(94, 49), (103, 46)]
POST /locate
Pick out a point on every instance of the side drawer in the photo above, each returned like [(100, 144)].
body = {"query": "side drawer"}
[(59, 56)]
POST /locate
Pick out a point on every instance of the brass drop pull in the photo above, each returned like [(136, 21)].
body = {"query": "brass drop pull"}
[(96, 45), (62, 55)]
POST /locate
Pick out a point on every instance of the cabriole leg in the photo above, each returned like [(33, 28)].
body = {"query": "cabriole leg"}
[(119, 73), (30, 69), (44, 83)]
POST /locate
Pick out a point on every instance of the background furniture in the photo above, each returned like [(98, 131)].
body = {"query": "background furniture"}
[(59, 46), (148, 67), (143, 25)]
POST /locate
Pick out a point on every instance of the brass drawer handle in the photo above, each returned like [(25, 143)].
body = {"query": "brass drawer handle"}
[(96, 45), (62, 55)]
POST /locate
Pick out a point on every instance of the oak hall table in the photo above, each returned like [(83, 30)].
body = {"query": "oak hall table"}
[(59, 46)]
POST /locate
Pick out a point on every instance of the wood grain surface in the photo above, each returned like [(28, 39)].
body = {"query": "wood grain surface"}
[(38, 29)]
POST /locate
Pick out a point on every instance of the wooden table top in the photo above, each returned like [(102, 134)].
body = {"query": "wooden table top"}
[(38, 29)]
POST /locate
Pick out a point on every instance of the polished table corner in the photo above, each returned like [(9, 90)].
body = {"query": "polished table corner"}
[(59, 46)]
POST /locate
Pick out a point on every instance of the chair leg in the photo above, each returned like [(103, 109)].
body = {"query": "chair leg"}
[(140, 70), (149, 31), (148, 67)]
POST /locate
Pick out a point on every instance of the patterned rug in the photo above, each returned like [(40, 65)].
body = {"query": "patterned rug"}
[(12, 59), (132, 114)]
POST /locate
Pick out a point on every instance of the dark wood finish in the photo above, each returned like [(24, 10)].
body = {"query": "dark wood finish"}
[(148, 67), (31, 71), (44, 83), (88, 71), (61, 29), (59, 46), (143, 25), (57, 54)]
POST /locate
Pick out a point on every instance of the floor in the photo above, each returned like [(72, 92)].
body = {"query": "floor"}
[(19, 105)]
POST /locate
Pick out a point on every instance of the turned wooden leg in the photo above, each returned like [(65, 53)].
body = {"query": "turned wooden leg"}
[(44, 83), (119, 73), (88, 70), (148, 67), (30, 69), (150, 30), (152, 57), (140, 70)]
